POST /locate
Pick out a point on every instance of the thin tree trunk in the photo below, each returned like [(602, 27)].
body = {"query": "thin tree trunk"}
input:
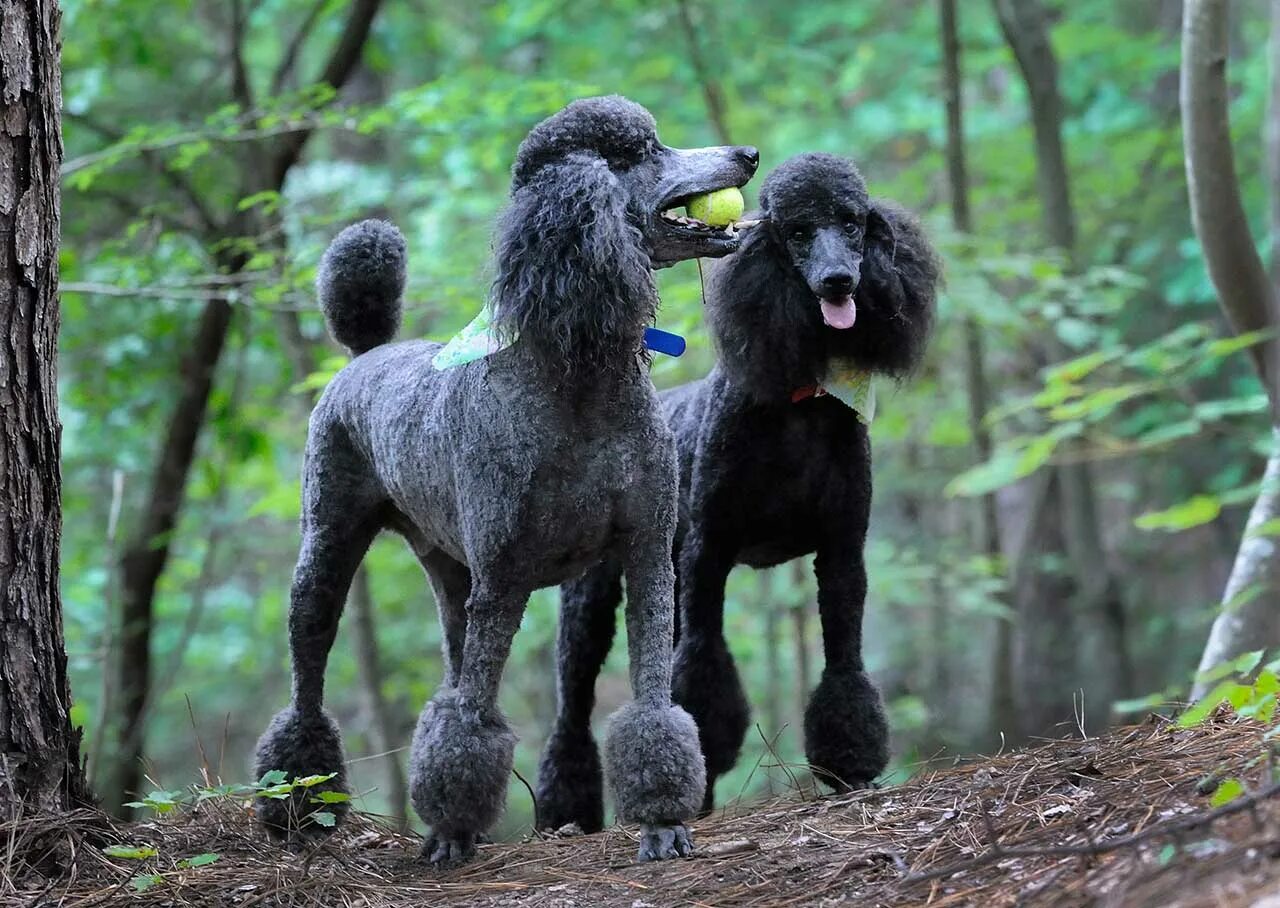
[(773, 668), (146, 554), (1004, 716), (800, 626), (40, 766), (712, 91), (370, 665), (1250, 615), (1071, 493)]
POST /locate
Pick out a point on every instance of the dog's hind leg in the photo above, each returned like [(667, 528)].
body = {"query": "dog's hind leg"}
[(845, 729), (451, 585), (463, 748), (654, 762), (570, 781), (706, 681), (303, 739)]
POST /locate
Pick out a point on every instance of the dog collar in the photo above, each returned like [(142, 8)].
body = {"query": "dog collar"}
[(480, 339), (849, 385)]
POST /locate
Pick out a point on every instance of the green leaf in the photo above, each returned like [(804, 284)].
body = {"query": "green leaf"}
[(323, 818), (273, 777), (310, 781), (1266, 528), (200, 860), (1167, 854), (1193, 512), (130, 852), (1226, 792), (1207, 704), (1228, 345), (143, 882), (331, 797)]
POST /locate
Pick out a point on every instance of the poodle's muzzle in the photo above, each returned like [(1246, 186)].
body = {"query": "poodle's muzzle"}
[(833, 268), (687, 172)]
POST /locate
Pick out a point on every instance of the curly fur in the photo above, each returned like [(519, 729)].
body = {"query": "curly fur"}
[(654, 764), (359, 283), (573, 211), (513, 472), (764, 480), (301, 744), (846, 734), (459, 765)]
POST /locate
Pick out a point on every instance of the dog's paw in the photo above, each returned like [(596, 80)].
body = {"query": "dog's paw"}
[(443, 851), (659, 842), (846, 731)]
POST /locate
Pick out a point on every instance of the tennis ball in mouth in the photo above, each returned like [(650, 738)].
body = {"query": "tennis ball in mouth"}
[(719, 209)]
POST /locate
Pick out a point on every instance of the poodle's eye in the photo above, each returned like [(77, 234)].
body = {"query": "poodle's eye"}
[(853, 227), (799, 233)]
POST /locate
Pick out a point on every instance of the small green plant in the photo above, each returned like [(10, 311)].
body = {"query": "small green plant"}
[(274, 784), (144, 881), (1251, 693)]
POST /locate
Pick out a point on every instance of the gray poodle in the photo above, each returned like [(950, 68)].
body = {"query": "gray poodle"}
[(510, 473)]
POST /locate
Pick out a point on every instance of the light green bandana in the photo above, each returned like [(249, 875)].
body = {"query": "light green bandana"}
[(853, 388), (476, 341)]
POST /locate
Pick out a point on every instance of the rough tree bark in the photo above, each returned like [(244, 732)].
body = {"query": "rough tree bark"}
[(1004, 714), (146, 553), (1250, 615), (1047, 600), (40, 766)]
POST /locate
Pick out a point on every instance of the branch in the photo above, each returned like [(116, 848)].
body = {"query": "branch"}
[(290, 58), (1171, 828), (1217, 212), (241, 89), (342, 62), (172, 177)]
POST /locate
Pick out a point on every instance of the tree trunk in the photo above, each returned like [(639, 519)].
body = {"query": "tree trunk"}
[(40, 766), (384, 731), (1250, 616), (712, 91), (146, 553), (1004, 717), (1074, 536)]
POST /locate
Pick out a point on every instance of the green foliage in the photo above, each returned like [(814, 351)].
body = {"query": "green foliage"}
[(1117, 357)]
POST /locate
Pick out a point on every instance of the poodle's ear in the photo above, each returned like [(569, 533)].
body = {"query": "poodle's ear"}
[(880, 231), (573, 277), (900, 275)]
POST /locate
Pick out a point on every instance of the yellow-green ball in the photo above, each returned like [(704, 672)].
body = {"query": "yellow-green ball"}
[(719, 209)]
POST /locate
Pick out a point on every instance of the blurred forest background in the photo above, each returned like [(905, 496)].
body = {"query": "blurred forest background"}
[(1059, 493)]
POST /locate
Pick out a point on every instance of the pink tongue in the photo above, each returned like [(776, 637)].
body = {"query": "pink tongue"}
[(839, 313)]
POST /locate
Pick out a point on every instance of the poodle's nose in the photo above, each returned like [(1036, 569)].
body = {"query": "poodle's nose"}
[(749, 156), (837, 283)]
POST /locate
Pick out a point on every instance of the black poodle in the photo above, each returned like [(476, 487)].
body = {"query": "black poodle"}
[(510, 473), (771, 468)]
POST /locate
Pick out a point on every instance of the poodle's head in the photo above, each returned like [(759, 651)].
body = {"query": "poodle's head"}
[(829, 273), (575, 248), (819, 213), (614, 142)]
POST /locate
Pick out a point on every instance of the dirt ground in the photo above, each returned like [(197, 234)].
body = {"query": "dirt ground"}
[(1123, 819)]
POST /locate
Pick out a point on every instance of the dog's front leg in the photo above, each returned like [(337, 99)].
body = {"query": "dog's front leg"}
[(846, 733), (462, 748), (652, 756)]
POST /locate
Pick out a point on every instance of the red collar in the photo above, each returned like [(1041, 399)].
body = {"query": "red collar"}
[(806, 392)]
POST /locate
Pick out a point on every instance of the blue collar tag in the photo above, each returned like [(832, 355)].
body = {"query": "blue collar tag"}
[(664, 341)]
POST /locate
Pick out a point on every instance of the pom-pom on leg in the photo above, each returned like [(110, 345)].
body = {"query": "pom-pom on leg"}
[(300, 744), (458, 770)]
